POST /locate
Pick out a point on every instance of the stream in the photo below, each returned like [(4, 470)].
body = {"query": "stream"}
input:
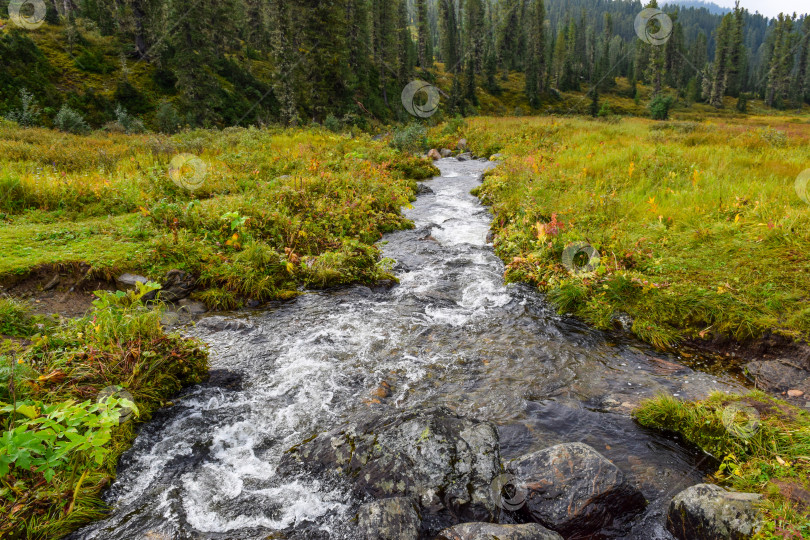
[(452, 333)]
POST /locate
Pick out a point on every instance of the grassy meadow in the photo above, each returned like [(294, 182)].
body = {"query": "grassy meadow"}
[(274, 210), (698, 227)]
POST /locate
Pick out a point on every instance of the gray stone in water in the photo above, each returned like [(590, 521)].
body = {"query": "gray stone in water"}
[(388, 519), (466, 156), (192, 307), (446, 152), (709, 512), (444, 462), (574, 490), (488, 531), (129, 281), (422, 189)]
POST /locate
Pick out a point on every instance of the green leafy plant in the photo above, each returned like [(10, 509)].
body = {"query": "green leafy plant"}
[(52, 434)]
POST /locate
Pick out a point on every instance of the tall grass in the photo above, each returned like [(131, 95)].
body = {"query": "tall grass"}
[(699, 227)]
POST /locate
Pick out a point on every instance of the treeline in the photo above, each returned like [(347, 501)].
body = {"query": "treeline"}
[(227, 62)]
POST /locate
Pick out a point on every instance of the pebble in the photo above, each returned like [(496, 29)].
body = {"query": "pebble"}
[(795, 393)]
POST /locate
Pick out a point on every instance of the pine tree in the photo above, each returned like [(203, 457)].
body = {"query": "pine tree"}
[(781, 62), (423, 33), (536, 57), (283, 55), (449, 35)]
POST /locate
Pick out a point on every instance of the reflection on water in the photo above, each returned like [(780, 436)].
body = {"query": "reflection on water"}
[(451, 333)]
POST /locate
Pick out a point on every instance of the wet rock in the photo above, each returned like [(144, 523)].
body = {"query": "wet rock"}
[(576, 491), (779, 375), (490, 236), (434, 154), (251, 303), (223, 378), (465, 156), (622, 321), (444, 462), (129, 281), (176, 285), (461, 145), (488, 531), (709, 512), (422, 189), (192, 307), (383, 285), (52, 283), (446, 152), (223, 324), (388, 519)]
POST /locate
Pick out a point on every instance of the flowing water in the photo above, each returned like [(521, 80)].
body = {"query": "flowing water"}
[(451, 333)]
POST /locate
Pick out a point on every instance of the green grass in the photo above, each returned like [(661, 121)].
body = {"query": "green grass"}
[(763, 445), (277, 209), (698, 225)]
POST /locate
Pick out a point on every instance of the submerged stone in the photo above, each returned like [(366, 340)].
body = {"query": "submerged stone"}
[(574, 490), (488, 531)]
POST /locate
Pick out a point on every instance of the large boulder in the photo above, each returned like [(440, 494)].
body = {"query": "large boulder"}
[(574, 490), (490, 531), (176, 285), (780, 376), (709, 512), (388, 519), (443, 462)]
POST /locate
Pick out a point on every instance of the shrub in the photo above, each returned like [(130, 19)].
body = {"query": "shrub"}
[(605, 110), (742, 103), (126, 122), (167, 119), (332, 123), (70, 121), (660, 106), (411, 138), (28, 114)]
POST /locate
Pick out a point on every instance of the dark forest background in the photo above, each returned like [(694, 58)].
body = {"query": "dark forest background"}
[(228, 62)]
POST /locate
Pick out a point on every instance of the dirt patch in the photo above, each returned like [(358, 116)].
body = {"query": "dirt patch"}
[(66, 290), (768, 347)]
